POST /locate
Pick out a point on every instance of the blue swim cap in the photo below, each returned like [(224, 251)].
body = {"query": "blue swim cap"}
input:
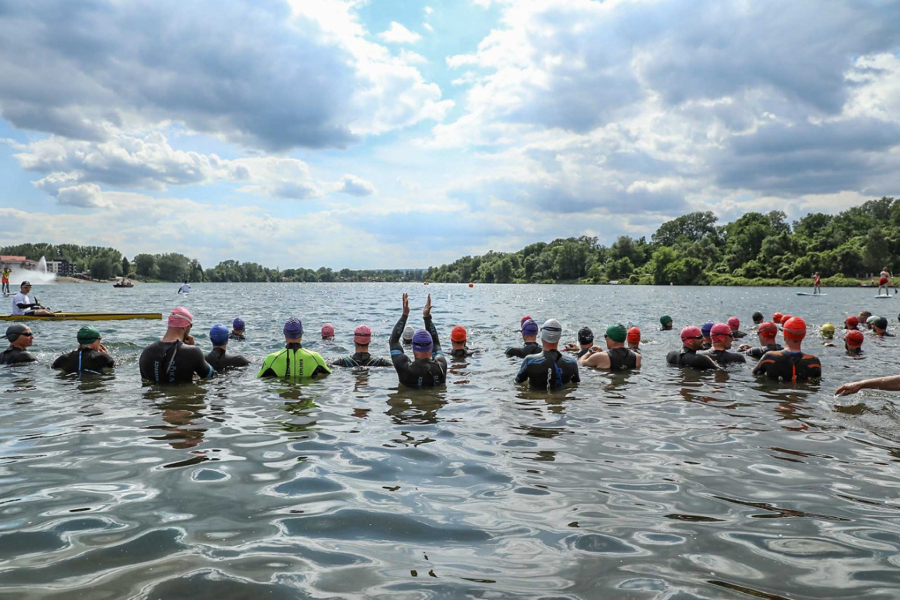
[(422, 341), (293, 328), (707, 327), (218, 335), (238, 324), (529, 327)]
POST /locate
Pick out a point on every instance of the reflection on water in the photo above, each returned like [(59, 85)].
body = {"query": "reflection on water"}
[(658, 483)]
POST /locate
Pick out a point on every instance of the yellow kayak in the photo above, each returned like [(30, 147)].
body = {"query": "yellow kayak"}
[(82, 316)]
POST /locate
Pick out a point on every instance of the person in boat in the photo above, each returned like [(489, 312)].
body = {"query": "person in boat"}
[(25, 305), (884, 279), (294, 362), (529, 336), (185, 288), (458, 338), (175, 358), (585, 342), (550, 369), (362, 337), (237, 329), (853, 341), (817, 283), (665, 323), (722, 338), (328, 332), (766, 334), (879, 327), (6, 273), (429, 365), (90, 357), (20, 338), (218, 357), (616, 357), (634, 339), (691, 340), (890, 383), (735, 324), (791, 364)]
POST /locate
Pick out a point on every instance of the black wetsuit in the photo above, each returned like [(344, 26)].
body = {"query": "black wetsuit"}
[(706, 346), (783, 365), (760, 350), (14, 356), (220, 360), (84, 360), (236, 336), (725, 357), (421, 372), (689, 358), (737, 334), (621, 359), (361, 359), (461, 352), (173, 362), (582, 352), (527, 350), (549, 369)]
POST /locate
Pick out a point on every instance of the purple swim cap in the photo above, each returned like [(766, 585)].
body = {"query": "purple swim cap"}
[(293, 328), (422, 341), (238, 324), (706, 328), (529, 327)]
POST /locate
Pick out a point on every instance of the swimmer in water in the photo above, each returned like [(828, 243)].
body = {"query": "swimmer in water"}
[(722, 338), (853, 341), (777, 318), (458, 337), (20, 338), (218, 357), (665, 323), (879, 326), (408, 334), (529, 336), (757, 318), (237, 329), (185, 288), (362, 337), (706, 329), (634, 339), (550, 369), (890, 384), (175, 358), (585, 342), (791, 364), (851, 322), (735, 324), (766, 334), (294, 362), (429, 365), (691, 340), (863, 318), (327, 331), (616, 357), (827, 335), (90, 357)]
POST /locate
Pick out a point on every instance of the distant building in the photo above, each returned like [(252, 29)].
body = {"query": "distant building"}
[(61, 267), (19, 262)]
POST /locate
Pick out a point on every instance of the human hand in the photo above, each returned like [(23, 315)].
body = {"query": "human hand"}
[(426, 312), (189, 340), (405, 304), (848, 388), (103, 349)]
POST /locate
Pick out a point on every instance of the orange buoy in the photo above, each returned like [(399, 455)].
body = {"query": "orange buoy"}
[(471, 285)]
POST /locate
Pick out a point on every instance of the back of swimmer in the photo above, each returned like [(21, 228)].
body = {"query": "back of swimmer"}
[(90, 357), (429, 365), (294, 362), (175, 358), (20, 338), (218, 357), (691, 342), (550, 369), (529, 337)]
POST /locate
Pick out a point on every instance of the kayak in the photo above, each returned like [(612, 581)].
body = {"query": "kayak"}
[(82, 316)]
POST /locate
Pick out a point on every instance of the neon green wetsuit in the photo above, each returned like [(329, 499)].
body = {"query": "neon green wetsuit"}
[(294, 363)]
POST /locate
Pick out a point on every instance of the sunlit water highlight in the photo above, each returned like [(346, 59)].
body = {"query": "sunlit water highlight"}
[(655, 484)]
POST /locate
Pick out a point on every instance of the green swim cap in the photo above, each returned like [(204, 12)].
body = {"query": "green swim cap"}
[(665, 320), (88, 335), (617, 332)]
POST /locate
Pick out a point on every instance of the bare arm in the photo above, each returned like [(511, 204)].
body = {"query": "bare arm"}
[(890, 383)]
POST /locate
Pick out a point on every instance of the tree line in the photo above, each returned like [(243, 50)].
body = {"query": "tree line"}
[(693, 249)]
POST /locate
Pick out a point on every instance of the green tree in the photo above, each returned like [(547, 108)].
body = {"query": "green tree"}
[(173, 266), (126, 267), (145, 266), (101, 268)]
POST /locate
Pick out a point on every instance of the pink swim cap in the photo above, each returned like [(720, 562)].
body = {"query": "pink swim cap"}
[(690, 332), (362, 335), (327, 330), (720, 330), (180, 317), (525, 318), (734, 322)]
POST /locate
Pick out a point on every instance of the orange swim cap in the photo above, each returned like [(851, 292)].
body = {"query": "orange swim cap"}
[(776, 318), (458, 334), (795, 329), (634, 336), (854, 338)]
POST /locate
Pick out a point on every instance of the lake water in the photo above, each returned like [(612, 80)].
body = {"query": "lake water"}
[(661, 483)]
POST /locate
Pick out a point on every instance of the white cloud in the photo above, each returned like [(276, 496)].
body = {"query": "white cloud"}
[(398, 34), (83, 195), (355, 186)]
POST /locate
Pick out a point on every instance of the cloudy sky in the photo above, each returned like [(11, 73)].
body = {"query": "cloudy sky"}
[(391, 133)]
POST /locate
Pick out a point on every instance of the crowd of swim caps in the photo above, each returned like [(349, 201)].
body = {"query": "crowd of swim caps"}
[(175, 359)]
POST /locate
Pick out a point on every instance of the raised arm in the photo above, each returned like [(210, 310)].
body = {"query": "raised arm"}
[(397, 355), (890, 383)]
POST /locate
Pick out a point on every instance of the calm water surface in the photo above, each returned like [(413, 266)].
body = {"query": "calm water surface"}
[(655, 484)]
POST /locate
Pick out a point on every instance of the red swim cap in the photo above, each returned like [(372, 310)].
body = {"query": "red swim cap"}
[(458, 334), (768, 327), (734, 322), (851, 322), (776, 318), (720, 330), (525, 318), (785, 319), (854, 338), (634, 335), (690, 332), (794, 329)]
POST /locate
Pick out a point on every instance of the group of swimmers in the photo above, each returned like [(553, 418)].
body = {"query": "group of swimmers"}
[(176, 358)]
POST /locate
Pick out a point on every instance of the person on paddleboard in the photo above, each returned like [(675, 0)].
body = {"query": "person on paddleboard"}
[(362, 337), (616, 357), (792, 364), (20, 338), (817, 283), (175, 358), (884, 279), (90, 357), (691, 340), (766, 334), (25, 305), (6, 273), (218, 358)]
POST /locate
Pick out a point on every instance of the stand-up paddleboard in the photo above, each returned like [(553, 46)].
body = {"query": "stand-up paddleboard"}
[(74, 316), (809, 294), (884, 296)]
